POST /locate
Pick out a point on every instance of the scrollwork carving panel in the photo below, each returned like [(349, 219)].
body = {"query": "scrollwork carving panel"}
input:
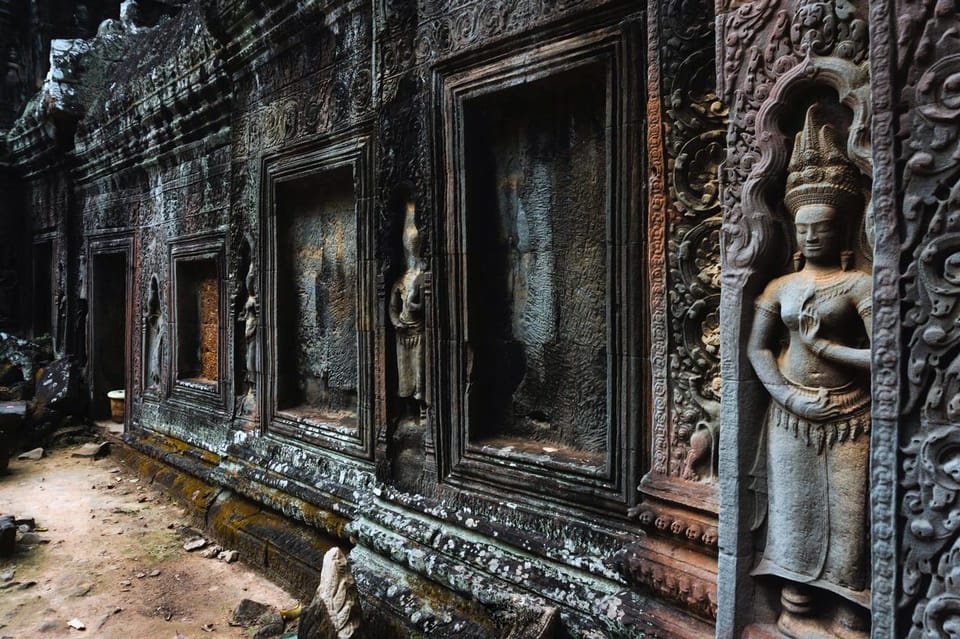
[(686, 147), (926, 82)]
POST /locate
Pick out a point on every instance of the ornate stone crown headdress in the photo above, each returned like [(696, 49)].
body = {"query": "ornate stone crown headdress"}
[(820, 172)]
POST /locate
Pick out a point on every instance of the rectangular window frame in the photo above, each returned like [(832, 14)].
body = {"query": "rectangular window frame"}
[(351, 150), (207, 397), (473, 465)]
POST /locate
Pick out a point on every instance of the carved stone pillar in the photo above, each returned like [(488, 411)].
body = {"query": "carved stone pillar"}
[(678, 494)]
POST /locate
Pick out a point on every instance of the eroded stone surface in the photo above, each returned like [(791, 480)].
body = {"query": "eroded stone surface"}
[(442, 281)]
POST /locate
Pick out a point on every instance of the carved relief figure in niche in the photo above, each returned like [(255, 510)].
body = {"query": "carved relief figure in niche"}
[(251, 321), (153, 323), (247, 319), (407, 317), (809, 347)]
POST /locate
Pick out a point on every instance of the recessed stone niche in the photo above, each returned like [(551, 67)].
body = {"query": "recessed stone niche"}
[(318, 282), (198, 323), (538, 286), (535, 177), (316, 299)]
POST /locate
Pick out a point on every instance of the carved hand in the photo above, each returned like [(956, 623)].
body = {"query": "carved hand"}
[(815, 407), (809, 322)]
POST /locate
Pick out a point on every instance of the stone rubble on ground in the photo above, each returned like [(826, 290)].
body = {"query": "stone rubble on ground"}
[(247, 612), (268, 622), (211, 551), (195, 544)]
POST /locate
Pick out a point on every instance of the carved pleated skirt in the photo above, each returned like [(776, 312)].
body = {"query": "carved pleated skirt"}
[(817, 490)]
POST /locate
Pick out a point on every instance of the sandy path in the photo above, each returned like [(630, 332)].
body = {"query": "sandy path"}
[(105, 528)]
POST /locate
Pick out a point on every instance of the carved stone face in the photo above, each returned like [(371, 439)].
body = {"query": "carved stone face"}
[(818, 233)]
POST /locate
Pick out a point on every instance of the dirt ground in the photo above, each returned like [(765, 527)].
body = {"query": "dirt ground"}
[(114, 559)]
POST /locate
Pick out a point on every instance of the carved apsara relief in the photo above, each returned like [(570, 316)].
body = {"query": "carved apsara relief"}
[(779, 60), (811, 467), (822, 31), (246, 309), (407, 315), (154, 329)]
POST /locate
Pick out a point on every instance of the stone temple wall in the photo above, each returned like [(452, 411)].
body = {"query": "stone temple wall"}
[(641, 311)]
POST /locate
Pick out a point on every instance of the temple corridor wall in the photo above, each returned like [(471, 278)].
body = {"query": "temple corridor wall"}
[(644, 312)]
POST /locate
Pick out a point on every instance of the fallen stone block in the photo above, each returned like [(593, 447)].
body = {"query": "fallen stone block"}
[(270, 625), (58, 391), (247, 612), (32, 539), (195, 544), (211, 552), (12, 423), (535, 622), (228, 556), (8, 535), (35, 454), (335, 611), (92, 450)]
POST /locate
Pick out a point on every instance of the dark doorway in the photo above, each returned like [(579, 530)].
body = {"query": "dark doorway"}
[(108, 312), (42, 288)]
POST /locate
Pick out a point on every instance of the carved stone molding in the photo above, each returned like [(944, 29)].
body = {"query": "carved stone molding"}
[(679, 525), (171, 99), (687, 585)]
